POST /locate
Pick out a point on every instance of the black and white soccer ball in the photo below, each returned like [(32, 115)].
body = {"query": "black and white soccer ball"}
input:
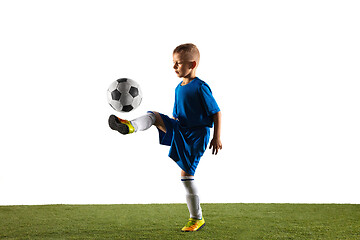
[(124, 95)]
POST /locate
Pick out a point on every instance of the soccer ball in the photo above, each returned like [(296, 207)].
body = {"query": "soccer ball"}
[(124, 95)]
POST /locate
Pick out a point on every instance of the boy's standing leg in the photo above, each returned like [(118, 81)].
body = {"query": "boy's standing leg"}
[(196, 220)]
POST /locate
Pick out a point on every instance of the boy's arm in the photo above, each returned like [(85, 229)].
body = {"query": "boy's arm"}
[(215, 143)]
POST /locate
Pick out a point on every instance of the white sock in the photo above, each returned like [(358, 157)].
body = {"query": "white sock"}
[(192, 197), (144, 122)]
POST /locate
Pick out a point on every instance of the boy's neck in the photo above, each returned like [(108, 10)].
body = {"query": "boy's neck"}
[(187, 80)]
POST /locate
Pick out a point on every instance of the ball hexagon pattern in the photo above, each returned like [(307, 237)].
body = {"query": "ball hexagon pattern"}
[(124, 95)]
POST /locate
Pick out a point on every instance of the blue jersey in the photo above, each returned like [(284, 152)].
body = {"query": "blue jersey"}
[(189, 135), (194, 104)]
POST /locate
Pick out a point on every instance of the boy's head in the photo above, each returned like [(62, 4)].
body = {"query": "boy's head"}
[(186, 59), (189, 51)]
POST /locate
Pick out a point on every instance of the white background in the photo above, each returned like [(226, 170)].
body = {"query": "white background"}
[(285, 75)]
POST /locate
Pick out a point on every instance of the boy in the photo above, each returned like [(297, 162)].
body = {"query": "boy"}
[(188, 132)]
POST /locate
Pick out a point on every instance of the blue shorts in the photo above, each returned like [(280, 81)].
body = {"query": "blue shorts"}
[(187, 145)]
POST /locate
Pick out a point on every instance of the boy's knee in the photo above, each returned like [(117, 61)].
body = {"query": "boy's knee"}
[(185, 174)]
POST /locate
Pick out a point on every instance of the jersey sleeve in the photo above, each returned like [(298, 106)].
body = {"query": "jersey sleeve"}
[(208, 101)]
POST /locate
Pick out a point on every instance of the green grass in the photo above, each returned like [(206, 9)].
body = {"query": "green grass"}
[(164, 221)]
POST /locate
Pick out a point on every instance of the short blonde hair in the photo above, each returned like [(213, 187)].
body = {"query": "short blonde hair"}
[(188, 48)]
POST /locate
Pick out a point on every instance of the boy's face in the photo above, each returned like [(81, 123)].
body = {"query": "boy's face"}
[(184, 65)]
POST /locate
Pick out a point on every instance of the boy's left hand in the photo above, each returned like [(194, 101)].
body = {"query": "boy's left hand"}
[(215, 144)]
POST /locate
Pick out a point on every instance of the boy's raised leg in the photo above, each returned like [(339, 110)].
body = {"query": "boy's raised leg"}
[(139, 124)]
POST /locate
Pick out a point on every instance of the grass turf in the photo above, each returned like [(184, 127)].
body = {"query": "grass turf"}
[(164, 221)]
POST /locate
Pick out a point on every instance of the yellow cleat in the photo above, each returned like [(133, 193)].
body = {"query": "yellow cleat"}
[(121, 125), (193, 225)]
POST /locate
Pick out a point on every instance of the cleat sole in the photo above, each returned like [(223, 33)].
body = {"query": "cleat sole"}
[(115, 124)]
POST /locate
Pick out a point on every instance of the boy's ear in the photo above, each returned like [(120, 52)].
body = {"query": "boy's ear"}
[(193, 64)]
